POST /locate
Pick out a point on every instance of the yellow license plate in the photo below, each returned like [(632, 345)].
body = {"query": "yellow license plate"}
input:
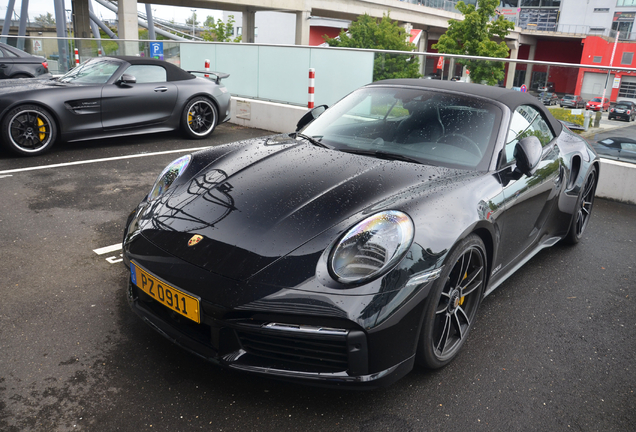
[(169, 296)]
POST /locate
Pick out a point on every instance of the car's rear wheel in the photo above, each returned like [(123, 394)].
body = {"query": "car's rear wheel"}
[(199, 118), (28, 130), (583, 209), (453, 303)]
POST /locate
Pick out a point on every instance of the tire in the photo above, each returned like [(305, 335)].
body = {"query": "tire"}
[(21, 75), (453, 302), (583, 209), (199, 118), (28, 130)]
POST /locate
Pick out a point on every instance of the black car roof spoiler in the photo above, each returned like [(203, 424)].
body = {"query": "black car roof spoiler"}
[(219, 75)]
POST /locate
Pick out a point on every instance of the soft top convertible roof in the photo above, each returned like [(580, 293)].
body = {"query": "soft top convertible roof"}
[(174, 73), (510, 98)]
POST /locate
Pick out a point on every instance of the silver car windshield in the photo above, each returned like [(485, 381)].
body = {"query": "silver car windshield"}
[(91, 72), (429, 127)]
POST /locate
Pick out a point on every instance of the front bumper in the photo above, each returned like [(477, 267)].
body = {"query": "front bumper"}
[(283, 333), (330, 359)]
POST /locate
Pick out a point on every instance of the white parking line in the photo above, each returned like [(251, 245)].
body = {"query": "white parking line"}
[(108, 249), (90, 161)]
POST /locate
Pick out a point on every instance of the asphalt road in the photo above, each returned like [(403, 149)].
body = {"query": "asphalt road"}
[(553, 348)]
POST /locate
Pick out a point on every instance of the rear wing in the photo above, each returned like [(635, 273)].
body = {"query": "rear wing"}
[(219, 75)]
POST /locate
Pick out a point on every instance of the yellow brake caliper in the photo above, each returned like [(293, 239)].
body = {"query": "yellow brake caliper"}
[(42, 129), (189, 117), (461, 300)]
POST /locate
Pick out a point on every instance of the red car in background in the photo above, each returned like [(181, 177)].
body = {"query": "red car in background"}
[(596, 105)]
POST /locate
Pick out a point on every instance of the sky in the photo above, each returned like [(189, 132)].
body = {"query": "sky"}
[(41, 7)]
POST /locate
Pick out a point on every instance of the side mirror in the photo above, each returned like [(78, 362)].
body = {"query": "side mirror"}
[(310, 116), (127, 79), (528, 154)]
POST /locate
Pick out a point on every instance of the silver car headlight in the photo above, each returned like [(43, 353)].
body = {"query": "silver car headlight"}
[(372, 247), (168, 176)]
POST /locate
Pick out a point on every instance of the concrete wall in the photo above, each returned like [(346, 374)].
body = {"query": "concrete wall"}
[(617, 180), (271, 116)]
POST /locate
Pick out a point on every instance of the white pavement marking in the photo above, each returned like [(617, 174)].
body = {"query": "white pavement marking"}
[(90, 161), (108, 249)]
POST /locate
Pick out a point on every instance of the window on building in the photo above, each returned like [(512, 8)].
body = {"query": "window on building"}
[(239, 31), (626, 3), (627, 59), (601, 10), (597, 59)]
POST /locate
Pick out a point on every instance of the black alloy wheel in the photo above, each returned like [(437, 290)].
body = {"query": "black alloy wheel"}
[(199, 118), (453, 303), (28, 130), (583, 209)]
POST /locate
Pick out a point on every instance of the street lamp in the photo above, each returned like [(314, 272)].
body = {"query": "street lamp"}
[(193, 18)]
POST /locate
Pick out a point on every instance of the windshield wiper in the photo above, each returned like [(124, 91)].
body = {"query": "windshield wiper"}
[(313, 140), (383, 155)]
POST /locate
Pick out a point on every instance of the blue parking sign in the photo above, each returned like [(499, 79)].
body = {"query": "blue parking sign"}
[(156, 50)]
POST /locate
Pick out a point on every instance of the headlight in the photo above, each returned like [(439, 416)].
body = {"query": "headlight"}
[(372, 247), (168, 176)]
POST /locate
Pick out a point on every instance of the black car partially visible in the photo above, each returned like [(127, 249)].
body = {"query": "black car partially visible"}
[(548, 98), (623, 111), (15, 63)]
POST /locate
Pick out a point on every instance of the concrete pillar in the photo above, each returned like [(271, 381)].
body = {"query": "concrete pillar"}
[(249, 23), (302, 27), (422, 48), (81, 19), (24, 13), (527, 82), (128, 27), (512, 67), (82, 27)]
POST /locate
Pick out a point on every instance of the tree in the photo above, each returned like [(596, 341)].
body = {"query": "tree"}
[(474, 36), (220, 31), (192, 20), (45, 19), (368, 32)]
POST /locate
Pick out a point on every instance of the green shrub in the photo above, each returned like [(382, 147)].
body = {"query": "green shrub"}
[(565, 114)]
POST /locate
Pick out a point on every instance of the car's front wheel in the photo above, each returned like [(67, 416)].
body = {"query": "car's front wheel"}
[(199, 118), (28, 130), (453, 303), (583, 209)]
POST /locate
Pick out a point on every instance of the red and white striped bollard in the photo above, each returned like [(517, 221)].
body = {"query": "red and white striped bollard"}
[(312, 82), (76, 57), (207, 67)]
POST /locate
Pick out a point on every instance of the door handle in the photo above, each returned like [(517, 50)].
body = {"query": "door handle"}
[(161, 89)]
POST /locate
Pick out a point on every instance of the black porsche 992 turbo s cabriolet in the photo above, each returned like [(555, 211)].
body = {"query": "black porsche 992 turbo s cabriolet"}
[(109, 97), (361, 245)]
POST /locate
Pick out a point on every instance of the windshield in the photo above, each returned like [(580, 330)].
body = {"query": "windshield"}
[(425, 126), (596, 100), (622, 106), (91, 72)]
